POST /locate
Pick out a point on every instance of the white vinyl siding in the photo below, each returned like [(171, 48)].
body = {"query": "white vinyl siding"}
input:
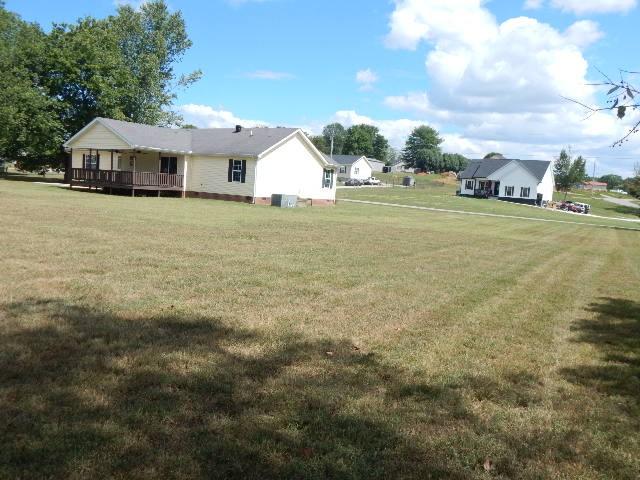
[(292, 169), (360, 169), (210, 175), (99, 136)]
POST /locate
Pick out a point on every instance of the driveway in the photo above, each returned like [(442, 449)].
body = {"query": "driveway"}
[(621, 201)]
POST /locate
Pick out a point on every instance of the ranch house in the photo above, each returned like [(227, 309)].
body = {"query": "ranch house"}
[(521, 181), (352, 166), (240, 164)]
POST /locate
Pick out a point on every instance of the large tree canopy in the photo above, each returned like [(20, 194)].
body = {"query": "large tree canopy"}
[(422, 151), (53, 84), (366, 140), (336, 132), (568, 172)]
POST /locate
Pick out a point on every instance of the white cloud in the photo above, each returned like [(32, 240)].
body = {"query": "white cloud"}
[(269, 75), (583, 33), (581, 7), (366, 79), (533, 4), (204, 116)]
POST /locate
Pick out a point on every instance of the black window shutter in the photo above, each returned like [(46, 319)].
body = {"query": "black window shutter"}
[(98, 161), (244, 171), (323, 173), (230, 171), (84, 160), (331, 183)]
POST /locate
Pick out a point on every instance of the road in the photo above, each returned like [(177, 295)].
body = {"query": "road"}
[(621, 201)]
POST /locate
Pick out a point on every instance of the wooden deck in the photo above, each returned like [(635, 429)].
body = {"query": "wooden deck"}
[(126, 179)]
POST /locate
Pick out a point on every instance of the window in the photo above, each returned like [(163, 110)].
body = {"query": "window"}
[(169, 165), (237, 171), (356, 171), (469, 185), (327, 179), (525, 192), (508, 191), (119, 162), (343, 169), (90, 162)]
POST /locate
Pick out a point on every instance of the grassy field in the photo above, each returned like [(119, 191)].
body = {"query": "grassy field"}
[(170, 338), (437, 195)]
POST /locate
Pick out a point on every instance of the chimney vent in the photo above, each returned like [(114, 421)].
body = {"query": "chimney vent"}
[(238, 128)]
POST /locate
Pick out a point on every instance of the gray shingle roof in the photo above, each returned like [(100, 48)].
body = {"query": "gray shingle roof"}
[(205, 141), (484, 168), (346, 159)]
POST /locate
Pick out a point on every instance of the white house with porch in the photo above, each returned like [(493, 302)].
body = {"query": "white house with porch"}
[(240, 164), (521, 181)]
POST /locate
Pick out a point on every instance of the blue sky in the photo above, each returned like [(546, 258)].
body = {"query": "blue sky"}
[(489, 75)]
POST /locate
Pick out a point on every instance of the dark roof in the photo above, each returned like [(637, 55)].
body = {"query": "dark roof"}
[(484, 168), (346, 159), (205, 141)]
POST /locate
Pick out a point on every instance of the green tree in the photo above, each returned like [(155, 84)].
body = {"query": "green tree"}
[(152, 41), (568, 172), (365, 140), (613, 181), (493, 154), (422, 149), (320, 143), (339, 135), (30, 130), (380, 148)]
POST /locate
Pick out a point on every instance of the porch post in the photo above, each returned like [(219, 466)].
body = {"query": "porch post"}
[(111, 159), (69, 170), (184, 176)]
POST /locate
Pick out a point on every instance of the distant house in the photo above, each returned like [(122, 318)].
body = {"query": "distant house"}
[(592, 185), (397, 167), (352, 166), (376, 165), (240, 164), (522, 181)]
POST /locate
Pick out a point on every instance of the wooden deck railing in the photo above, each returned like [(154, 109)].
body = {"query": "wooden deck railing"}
[(118, 178)]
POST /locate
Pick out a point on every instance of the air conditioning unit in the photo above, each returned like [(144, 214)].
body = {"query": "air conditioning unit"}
[(284, 201)]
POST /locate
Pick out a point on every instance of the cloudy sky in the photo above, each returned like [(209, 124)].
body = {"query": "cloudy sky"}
[(489, 75)]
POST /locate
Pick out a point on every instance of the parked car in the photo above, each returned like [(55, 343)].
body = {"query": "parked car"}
[(372, 181), (352, 182), (586, 208)]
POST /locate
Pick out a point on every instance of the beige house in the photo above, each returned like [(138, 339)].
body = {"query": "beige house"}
[(241, 164)]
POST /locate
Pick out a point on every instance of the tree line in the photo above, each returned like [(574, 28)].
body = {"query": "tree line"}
[(422, 149), (54, 83)]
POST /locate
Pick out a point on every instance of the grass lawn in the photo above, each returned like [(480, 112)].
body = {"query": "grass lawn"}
[(169, 338), (437, 195)]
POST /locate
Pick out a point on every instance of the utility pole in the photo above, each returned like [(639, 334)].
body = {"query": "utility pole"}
[(593, 177)]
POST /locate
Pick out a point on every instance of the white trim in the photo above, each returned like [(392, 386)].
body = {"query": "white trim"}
[(90, 124), (305, 139)]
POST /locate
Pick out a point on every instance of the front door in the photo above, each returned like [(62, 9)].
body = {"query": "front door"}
[(496, 188)]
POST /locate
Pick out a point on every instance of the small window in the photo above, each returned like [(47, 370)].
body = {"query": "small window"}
[(469, 185), (525, 192), (119, 162), (508, 191), (169, 165), (356, 171), (343, 169), (236, 173), (90, 162), (327, 179)]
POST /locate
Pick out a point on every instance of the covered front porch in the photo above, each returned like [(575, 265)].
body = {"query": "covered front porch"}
[(127, 170), (486, 188)]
